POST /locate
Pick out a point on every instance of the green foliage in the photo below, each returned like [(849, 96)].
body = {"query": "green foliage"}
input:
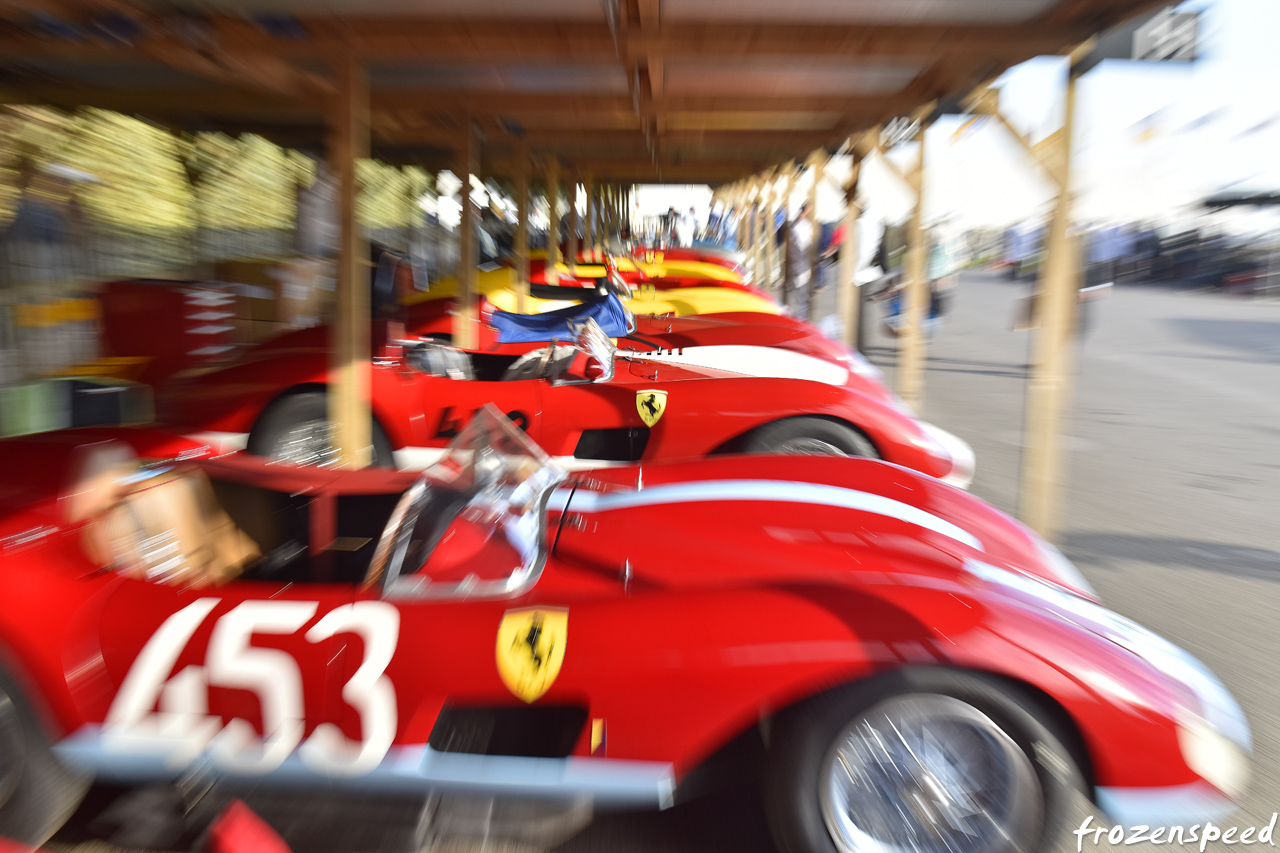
[(388, 195), (245, 183), (140, 185), (149, 180)]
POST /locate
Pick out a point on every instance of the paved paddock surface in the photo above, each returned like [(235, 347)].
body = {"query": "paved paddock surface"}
[(1171, 509)]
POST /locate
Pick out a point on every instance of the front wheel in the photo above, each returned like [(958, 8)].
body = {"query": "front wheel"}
[(809, 437), (928, 761), (37, 794), (296, 429)]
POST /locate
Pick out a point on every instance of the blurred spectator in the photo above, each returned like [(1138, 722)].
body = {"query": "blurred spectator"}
[(942, 270), (799, 242), (686, 227), (1022, 248), (47, 241)]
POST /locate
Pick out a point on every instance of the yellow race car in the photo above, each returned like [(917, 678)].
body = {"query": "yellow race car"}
[(499, 288)]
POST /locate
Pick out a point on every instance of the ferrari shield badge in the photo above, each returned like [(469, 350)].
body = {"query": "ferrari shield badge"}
[(651, 405), (530, 649)]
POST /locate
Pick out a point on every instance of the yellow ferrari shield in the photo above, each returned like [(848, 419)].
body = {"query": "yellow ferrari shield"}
[(530, 650), (651, 405)]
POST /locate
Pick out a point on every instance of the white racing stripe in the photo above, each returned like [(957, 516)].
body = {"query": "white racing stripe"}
[(418, 458), (768, 362), (783, 491), (222, 442)]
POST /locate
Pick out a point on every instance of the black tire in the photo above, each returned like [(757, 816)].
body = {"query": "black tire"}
[(37, 794), (270, 432), (783, 436), (803, 737)]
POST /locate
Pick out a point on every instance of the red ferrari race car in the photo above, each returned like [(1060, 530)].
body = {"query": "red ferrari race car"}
[(584, 402), (749, 343), (654, 270), (919, 671)]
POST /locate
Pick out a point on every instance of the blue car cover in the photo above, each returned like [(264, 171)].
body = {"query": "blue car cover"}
[(558, 325)]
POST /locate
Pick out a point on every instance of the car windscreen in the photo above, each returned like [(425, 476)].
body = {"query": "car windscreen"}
[(477, 520)]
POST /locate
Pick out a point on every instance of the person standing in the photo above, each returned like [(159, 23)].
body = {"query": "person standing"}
[(798, 267), (686, 227)]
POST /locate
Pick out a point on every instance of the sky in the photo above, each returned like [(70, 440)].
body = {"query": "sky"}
[(1151, 139)]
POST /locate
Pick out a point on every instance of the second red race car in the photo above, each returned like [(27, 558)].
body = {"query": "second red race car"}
[(583, 401)]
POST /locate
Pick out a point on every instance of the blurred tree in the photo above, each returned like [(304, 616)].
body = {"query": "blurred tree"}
[(245, 183), (149, 181), (141, 185), (389, 195)]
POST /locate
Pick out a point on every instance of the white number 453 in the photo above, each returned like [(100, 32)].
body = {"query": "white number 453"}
[(182, 729)]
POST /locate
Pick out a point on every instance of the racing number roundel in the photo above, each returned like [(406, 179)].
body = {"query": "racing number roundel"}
[(651, 404), (530, 649)]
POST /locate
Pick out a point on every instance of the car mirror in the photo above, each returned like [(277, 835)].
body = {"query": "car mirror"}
[(594, 359), (616, 283)]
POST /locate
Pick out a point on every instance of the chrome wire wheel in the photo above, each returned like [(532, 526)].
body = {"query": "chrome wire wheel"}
[(928, 773), (12, 750), (308, 443), (809, 447)]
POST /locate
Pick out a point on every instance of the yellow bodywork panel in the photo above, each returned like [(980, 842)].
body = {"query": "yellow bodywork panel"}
[(499, 287), (664, 268)]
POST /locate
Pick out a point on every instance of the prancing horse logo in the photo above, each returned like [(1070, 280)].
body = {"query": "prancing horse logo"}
[(530, 649), (651, 404)]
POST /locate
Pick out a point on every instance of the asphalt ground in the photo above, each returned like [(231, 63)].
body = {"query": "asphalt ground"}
[(1170, 508)]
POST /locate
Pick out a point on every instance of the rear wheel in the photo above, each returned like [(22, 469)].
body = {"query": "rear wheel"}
[(296, 429), (928, 761), (37, 794), (809, 437)]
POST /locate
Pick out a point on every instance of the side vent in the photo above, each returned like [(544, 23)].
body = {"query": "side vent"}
[(620, 444), (534, 731)]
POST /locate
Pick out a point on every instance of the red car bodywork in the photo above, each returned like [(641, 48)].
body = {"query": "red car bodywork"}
[(738, 328), (707, 410), (793, 576), (637, 278)]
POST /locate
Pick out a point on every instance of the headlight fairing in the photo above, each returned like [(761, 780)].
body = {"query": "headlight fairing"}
[(1215, 757), (1214, 738)]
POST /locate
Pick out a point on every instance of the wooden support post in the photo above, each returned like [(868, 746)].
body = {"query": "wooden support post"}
[(606, 215), (849, 296), (617, 211), (911, 337), (591, 231), (759, 273), (572, 260), (466, 315), (770, 237), (553, 219), (522, 228), (613, 213), (789, 187), (1043, 471), (819, 160), (350, 363)]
